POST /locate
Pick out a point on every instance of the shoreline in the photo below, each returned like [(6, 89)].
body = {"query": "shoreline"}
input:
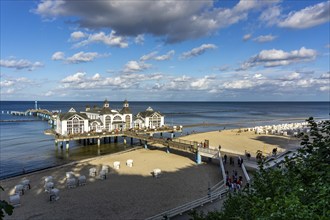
[(68, 164)]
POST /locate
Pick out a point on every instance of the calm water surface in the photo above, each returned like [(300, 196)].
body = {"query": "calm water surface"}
[(24, 146)]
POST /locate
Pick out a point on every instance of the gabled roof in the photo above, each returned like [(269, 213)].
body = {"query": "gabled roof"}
[(68, 115), (105, 111), (148, 113), (125, 110)]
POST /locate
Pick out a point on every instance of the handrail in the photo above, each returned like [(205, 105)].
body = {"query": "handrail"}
[(189, 206), (247, 177)]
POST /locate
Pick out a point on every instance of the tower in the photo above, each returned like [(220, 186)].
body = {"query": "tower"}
[(126, 105), (106, 104)]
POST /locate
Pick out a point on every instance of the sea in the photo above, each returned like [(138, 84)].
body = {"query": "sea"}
[(25, 148)]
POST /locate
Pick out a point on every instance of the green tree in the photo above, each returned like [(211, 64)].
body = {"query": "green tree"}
[(300, 190), (5, 207)]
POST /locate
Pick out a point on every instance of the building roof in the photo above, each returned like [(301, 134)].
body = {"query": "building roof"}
[(125, 110), (68, 115), (105, 111), (148, 113)]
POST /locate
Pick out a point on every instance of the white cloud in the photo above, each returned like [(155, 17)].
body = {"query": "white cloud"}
[(58, 56), (135, 66), (20, 64), (96, 77), (148, 56), (82, 57), (201, 84), (75, 78), (247, 37), (139, 39), (166, 56), (6, 83), (308, 17), (325, 88), (77, 35), (271, 15), (292, 76), (197, 51), (111, 40), (265, 38), (271, 58), (174, 21)]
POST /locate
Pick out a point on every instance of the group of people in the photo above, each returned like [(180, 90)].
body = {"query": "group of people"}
[(235, 182), (232, 162)]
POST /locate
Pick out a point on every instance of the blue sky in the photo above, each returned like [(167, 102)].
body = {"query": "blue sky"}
[(246, 50)]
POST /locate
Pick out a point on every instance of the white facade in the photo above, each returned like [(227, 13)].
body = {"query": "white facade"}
[(149, 119), (95, 120)]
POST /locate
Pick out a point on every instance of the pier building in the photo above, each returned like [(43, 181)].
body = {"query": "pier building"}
[(105, 119)]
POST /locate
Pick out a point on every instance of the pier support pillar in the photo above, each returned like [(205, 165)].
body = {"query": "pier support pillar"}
[(109, 139), (146, 145), (56, 144), (84, 142), (125, 140), (140, 141), (116, 139), (172, 135), (198, 158), (104, 140), (98, 151), (98, 142), (67, 145), (131, 141)]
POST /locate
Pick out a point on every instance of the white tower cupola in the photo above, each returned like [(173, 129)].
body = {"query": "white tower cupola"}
[(106, 104), (126, 105)]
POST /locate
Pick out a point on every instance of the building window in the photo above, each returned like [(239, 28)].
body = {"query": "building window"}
[(75, 125), (154, 121), (107, 123), (127, 122)]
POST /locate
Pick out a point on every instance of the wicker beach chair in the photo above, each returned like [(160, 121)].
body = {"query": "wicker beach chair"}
[(15, 200), (116, 165), (48, 179), (106, 168), (129, 163), (81, 180), (19, 189), (49, 186), (156, 172), (54, 195), (92, 171), (26, 184), (71, 183)]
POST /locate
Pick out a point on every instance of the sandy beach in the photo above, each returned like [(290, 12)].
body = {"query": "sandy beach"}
[(235, 142), (132, 192), (127, 193)]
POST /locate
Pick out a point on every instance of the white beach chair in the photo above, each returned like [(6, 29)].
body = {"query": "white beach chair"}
[(26, 184), (49, 186), (156, 172), (129, 162), (71, 183), (106, 168), (70, 175), (48, 179), (54, 195), (81, 180), (15, 200), (92, 171), (116, 165), (19, 189), (103, 175)]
